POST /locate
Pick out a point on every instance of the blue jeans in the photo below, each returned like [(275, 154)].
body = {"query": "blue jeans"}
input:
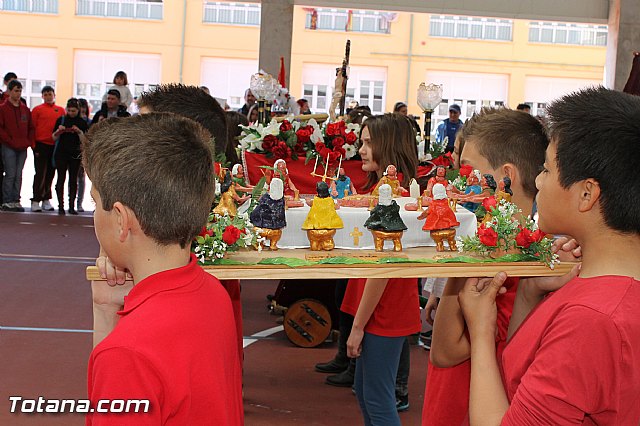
[(375, 379), (13, 164)]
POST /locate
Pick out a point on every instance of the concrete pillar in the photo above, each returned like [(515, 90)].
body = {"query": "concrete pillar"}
[(276, 32), (623, 39)]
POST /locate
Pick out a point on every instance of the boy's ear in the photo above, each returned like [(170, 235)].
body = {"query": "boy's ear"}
[(126, 219), (589, 194), (511, 171)]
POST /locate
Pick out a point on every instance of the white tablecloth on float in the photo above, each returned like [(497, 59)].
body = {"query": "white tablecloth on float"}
[(354, 235)]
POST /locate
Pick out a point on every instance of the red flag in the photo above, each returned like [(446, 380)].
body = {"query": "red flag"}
[(281, 74)]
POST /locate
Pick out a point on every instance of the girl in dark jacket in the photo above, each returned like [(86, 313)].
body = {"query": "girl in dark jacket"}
[(67, 154)]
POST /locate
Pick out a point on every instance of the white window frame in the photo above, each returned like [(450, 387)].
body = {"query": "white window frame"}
[(231, 85), (217, 12), (35, 67), (463, 26), (561, 33), (338, 18), (142, 9), (49, 7), (319, 75), (107, 63)]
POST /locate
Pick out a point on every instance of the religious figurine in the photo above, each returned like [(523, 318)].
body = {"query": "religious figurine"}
[(488, 186), (322, 221), (239, 182), (390, 177), (440, 178), (473, 188), (229, 198), (280, 171), (342, 186), (441, 219), (385, 222), (268, 217), (504, 191)]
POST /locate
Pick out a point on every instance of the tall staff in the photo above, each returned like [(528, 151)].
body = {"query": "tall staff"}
[(343, 71)]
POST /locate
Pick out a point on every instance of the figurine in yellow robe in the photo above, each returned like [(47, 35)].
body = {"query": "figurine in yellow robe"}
[(390, 178), (322, 221)]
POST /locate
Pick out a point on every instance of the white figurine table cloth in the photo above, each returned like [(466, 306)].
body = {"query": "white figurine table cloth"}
[(354, 235)]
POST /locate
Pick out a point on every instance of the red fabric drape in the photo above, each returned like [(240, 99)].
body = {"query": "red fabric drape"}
[(300, 173), (281, 74)]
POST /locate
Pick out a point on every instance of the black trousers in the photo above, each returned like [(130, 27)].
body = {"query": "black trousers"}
[(66, 163), (43, 165)]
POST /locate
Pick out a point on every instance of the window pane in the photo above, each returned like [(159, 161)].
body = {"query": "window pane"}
[(547, 35), (534, 33), (490, 32)]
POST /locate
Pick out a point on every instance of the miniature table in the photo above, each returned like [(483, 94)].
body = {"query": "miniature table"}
[(355, 236)]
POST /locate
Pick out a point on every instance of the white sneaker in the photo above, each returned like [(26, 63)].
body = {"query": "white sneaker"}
[(35, 206), (46, 206)]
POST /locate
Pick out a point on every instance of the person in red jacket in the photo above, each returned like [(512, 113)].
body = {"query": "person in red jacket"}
[(17, 133), (44, 118)]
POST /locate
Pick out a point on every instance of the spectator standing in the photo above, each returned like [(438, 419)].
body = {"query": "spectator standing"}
[(111, 108), (84, 113), (121, 84), (44, 118), (304, 106), (249, 101), (449, 127), (524, 108), (17, 133), (67, 155)]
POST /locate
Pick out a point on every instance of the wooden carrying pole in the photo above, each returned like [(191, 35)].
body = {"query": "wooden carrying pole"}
[(343, 71)]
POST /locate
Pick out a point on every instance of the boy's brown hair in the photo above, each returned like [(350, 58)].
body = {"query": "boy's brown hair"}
[(506, 136), (393, 141), (160, 165)]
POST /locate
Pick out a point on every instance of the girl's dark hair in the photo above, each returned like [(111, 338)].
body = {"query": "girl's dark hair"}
[(393, 141), (73, 103), (82, 103), (122, 75), (491, 182), (399, 105)]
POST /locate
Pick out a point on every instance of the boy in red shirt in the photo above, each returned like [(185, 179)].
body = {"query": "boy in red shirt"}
[(44, 118), (575, 359), (175, 341)]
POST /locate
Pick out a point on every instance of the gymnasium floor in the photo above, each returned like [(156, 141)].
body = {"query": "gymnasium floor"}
[(45, 335)]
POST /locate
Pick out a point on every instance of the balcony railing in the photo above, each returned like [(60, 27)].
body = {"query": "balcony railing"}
[(30, 6), (565, 33), (131, 9), (231, 13), (364, 21)]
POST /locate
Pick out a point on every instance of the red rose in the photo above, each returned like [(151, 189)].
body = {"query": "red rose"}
[(324, 152), (320, 146), (488, 236), (304, 134), (281, 150), (230, 235), (333, 129), (285, 126), (342, 128), (333, 156), (204, 232), (338, 142), (490, 203), (466, 170), (537, 236), (523, 239), (269, 142), (341, 151), (351, 138)]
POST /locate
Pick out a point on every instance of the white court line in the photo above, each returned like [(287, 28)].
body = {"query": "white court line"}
[(264, 333)]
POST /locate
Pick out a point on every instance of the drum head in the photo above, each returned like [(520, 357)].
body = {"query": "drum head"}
[(307, 323)]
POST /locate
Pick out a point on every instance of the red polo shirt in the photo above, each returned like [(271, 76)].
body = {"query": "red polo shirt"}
[(175, 345), (398, 311), (44, 117)]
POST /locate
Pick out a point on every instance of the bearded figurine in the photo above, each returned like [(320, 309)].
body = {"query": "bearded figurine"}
[(268, 216), (229, 200), (385, 222), (322, 221), (390, 177), (441, 219), (239, 181)]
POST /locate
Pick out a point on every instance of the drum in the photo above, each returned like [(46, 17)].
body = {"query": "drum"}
[(307, 323)]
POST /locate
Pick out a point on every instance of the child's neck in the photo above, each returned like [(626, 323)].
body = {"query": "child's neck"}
[(155, 258), (610, 253)]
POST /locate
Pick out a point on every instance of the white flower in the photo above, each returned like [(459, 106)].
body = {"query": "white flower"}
[(353, 127), (350, 151), (273, 128)]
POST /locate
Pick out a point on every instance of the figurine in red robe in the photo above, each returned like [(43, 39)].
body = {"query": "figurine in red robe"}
[(441, 219)]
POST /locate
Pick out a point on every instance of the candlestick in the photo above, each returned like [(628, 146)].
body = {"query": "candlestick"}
[(339, 165), (414, 189), (326, 165), (315, 166)]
